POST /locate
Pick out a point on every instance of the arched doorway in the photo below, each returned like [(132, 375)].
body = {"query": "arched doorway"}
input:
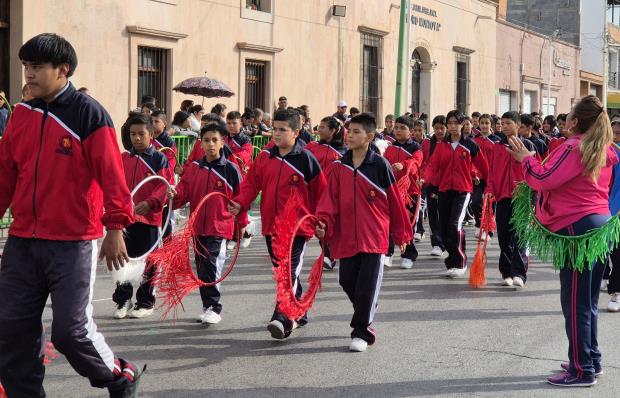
[(421, 67)]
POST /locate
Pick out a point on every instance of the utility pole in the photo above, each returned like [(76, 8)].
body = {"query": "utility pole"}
[(408, 94), (605, 61), (550, 65), (401, 62)]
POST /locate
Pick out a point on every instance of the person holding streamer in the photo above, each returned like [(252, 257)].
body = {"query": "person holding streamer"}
[(581, 167)]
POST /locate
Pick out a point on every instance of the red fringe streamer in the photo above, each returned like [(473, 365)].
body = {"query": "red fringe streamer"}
[(175, 278), (285, 228), (2, 392), (477, 277)]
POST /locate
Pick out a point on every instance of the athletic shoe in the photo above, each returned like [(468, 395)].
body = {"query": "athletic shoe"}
[(507, 282), (518, 281), (406, 264), (459, 272), (436, 251), (139, 312), (418, 237), (387, 261), (358, 345), (327, 264), (122, 310), (245, 241), (614, 303), (231, 244), (566, 379), (278, 331), (450, 273), (597, 372), (126, 386), (211, 317)]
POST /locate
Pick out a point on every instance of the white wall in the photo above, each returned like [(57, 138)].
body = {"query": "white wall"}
[(592, 29)]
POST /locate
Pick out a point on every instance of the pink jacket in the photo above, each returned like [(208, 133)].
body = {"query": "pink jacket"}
[(565, 195)]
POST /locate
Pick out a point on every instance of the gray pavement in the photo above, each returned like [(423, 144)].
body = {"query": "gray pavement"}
[(436, 337)]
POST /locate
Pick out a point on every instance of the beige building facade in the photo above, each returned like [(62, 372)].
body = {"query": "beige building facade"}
[(268, 48)]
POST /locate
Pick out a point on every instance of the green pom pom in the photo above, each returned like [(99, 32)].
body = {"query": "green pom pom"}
[(577, 252)]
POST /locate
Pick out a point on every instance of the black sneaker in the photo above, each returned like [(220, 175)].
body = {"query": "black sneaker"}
[(129, 381)]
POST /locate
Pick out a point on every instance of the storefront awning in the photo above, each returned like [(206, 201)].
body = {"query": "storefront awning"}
[(613, 100)]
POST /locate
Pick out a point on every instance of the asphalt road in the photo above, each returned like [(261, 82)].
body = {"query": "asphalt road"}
[(436, 337)]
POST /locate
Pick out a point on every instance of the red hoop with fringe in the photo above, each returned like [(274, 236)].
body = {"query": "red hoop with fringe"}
[(477, 277), (286, 227), (175, 278)]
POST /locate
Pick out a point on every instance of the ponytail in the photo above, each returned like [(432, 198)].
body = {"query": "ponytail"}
[(593, 147)]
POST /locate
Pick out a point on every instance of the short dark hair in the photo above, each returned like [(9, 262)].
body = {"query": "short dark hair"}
[(561, 117), (406, 120), (218, 108), (389, 117), (476, 114), (186, 104), (419, 123), (486, 116), (439, 119), (196, 108), (291, 116), (211, 118), (458, 115), (179, 118), (282, 98), (367, 120), (140, 119), (512, 115), (527, 120), (148, 99), (160, 115), (49, 47), (550, 120), (354, 110), (232, 115), (214, 127)]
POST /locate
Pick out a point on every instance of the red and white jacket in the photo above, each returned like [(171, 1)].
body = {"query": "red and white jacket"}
[(137, 167), (202, 178), (277, 177), (241, 147), (171, 152), (504, 171), (486, 145), (362, 206), (326, 153), (411, 157), (452, 169), (60, 166)]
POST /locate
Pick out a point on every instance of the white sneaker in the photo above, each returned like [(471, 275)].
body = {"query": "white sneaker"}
[(358, 345), (450, 273), (231, 244), (211, 317), (406, 264), (245, 242), (507, 282), (518, 281), (614, 303), (417, 237), (137, 313), (121, 313), (436, 251), (387, 262), (457, 272), (327, 264), (276, 329)]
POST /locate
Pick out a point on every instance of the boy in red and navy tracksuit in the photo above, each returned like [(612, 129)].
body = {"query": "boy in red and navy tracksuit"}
[(452, 167), (214, 225), (357, 212), (277, 173), (162, 140), (60, 167), (142, 162), (240, 144), (504, 174), (405, 157)]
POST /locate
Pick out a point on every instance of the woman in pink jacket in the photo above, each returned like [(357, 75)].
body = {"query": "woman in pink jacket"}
[(578, 169)]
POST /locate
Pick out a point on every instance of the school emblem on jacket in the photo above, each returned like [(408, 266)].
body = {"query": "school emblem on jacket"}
[(219, 185), (372, 195), (464, 155), (65, 146), (294, 180)]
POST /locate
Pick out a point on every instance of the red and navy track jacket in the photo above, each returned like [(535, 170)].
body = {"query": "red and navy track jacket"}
[(198, 153), (241, 147), (326, 153), (202, 178), (504, 171), (139, 166), (164, 141), (486, 145), (362, 206), (411, 157), (452, 169), (277, 177), (59, 167)]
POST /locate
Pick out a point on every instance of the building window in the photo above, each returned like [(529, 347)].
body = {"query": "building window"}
[(507, 101), (548, 107), (255, 84), (529, 104), (258, 5), (462, 82), (153, 74), (371, 73)]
